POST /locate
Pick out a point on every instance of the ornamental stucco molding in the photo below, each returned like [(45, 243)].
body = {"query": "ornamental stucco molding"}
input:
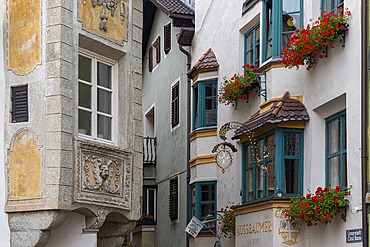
[(103, 175)]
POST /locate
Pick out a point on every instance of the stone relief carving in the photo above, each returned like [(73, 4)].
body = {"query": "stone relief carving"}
[(93, 224), (103, 175), (111, 5)]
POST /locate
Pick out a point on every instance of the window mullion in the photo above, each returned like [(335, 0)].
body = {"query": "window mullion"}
[(94, 121)]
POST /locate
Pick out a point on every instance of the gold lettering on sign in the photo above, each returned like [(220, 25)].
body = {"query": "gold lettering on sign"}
[(253, 228)]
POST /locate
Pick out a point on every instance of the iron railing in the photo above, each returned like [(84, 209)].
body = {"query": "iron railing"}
[(149, 150)]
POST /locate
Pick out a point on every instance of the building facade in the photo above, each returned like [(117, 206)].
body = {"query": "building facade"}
[(71, 122), (165, 85), (306, 123)]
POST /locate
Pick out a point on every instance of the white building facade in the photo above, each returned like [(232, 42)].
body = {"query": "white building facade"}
[(317, 103)]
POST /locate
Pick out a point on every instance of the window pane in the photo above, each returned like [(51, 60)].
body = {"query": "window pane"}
[(257, 54), (334, 136), (84, 122), (249, 184), (211, 90), (344, 170), (250, 57), (291, 146), (328, 5), (193, 211), (84, 95), (196, 110), (193, 194), (210, 117), (104, 101), (104, 127), (250, 41), (334, 171), (260, 146), (104, 75), (207, 192), (210, 103), (84, 68), (205, 208), (250, 157), (291, 5), (291, 176), (151, 202), (260, 174), (291, 22), (258, 35), (344, 133), (271, 146), (286, 39), (270, 178)]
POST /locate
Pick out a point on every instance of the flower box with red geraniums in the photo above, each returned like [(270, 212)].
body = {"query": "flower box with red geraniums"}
[(305, 45), (226, 224), (146, 219), (238, 86), (319, 207)]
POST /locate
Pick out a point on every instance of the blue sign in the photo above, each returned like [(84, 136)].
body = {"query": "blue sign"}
[(354, 236)]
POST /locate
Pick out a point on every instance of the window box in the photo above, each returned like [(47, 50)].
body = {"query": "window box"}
[(238, 86), (308, 44), (145, 222)]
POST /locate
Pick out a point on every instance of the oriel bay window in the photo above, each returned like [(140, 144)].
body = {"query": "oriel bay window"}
[(336, 150), (280, 18), (204, 104), (273, 165), (96, 92), (203, 199)]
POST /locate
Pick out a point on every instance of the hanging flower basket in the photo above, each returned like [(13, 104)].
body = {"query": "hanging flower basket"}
[(308, 44), (226, 223), (319, 207), (238, 86)]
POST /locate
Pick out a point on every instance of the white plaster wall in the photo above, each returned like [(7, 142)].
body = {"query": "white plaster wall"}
[(72, 227), (334, 79), (4, 229)]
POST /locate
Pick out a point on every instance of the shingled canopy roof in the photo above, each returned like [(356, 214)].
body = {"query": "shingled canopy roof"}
[(173, 7), (207, 61), (284, 109)]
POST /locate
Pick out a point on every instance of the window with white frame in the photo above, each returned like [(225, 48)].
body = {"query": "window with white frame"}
[(96, 92)]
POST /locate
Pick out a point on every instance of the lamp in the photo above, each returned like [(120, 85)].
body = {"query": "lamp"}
[(210, 221)]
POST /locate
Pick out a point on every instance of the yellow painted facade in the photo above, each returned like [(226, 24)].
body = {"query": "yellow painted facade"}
[(24, 35), (90, 16), (24, 167)]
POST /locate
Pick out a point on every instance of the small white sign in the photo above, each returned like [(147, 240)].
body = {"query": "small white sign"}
[(194, 227)]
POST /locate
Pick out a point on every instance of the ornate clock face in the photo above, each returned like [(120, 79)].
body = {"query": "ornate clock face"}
[(224, 159)]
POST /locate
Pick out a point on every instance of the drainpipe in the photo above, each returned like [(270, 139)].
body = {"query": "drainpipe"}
[(363, 121), (188, 137)]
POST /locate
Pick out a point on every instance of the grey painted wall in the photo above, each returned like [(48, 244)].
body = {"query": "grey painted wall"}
[(171, 144)]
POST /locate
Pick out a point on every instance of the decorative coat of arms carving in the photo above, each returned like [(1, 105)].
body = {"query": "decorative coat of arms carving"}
[(111, 5), (103, 175)]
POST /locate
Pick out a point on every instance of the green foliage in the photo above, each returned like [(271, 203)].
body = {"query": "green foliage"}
[(226, 224), (305, 44), (319, 207)]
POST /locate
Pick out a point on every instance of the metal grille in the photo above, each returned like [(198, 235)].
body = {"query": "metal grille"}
[(20, 104), (149, 150)]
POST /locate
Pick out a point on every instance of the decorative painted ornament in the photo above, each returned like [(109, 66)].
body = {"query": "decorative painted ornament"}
[(224, 157)]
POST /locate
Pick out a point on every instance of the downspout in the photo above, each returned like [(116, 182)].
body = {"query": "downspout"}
[(188, 112), (363, 122)]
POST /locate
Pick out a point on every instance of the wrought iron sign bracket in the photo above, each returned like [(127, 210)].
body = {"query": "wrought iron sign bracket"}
[(262, 92)]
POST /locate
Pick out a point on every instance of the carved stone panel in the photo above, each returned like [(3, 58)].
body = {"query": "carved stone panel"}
[(24, 166), (103, 175)]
